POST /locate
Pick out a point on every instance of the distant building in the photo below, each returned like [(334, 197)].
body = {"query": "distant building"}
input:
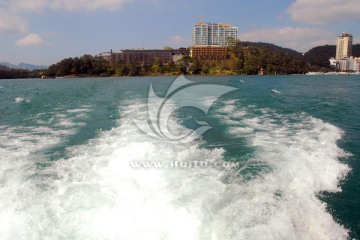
[(145, 56), (349, 64), (344, 64), (344, 46), (209, 53), (261, 71), (106, 55), (214, 34), (148, 56), (333, 62), (344, 60), (354, 64), (211, 40)]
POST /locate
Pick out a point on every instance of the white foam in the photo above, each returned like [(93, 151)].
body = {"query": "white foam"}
[(72, 118), (23, 182), (20, 99), (303, 156), (78, 110), (20, 151), (95, 194), (276, 91)]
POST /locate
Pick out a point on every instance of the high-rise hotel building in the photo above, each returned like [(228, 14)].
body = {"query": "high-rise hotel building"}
[(344, 46), (214, 34)]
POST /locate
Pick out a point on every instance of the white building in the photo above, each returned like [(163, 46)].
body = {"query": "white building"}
[(214, 34), (354, 64), (106, 55), (333, 62), (350, 64), (344, 60), (344, 64), (344, 46)]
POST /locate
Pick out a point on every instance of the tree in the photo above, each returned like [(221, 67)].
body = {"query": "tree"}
[(196, 67), (185, 62)]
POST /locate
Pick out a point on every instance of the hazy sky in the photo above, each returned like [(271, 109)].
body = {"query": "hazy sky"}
[(46, 31)]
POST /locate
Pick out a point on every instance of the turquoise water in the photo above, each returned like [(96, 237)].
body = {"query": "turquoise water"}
[(67, 148)]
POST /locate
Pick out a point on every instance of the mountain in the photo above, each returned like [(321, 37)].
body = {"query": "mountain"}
[(8, 65), (273, 47), (356, 50), (3, 67), (320, 55), (23, 66)]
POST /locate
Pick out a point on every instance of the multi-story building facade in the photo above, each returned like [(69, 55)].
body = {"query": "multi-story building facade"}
[(209, 53), (344, 64), (349, 64), (106, 55), (354, 64), (214, 34), (344, 46), (210, 40), (145, 56)]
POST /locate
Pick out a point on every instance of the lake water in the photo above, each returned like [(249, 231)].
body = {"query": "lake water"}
[(279, 158)]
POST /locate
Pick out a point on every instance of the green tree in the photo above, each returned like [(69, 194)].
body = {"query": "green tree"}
[(196, 67)]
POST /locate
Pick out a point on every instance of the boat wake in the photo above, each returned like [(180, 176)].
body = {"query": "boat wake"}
[(95, 192)]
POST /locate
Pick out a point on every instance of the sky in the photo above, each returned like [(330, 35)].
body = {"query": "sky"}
[(43, 32)]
